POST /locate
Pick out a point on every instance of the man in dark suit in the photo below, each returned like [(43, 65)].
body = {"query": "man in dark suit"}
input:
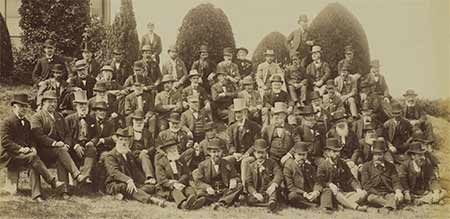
[(416, 115), (276, 93), (245, 66), (138, 100), (57, 83), (364, 153), (153, 40), (318, 70), (417, 178), (298, 40), (92, 66), (216, 178), (125, 178), (80, 134), (397, 131), (297, 80), (194, 118), (17, 149), (352, 65), (43, 66), (101, 94), (121, 70), (299, 175), (83, 79), (50, 131), (336, 182), (204, 67), (222, 94), (173, 177), (175, 67), (380, 179), (264, 178)]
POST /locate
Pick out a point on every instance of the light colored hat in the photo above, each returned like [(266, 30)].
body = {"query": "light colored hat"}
[(239, 104), (280, 107), (80, 96), (269, 52), (316, 49)]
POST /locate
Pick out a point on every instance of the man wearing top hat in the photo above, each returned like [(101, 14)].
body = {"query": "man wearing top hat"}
[(175, 67), (300, 177), (396, 132), (174, 177), (228, 68), (92, 66), (153, 41), (216, 178), (57, 83), (167, 101), (318, 70), (83, 79), (278, 135), (80, 134), (332, 101), (124, 176), (245, 66), (43, 66), (346, 86), (150, 65), (204, 67), (195, 88), (297, 80), (264, 178), (252, 98), (222, 94), (416, 114), (50, 131), (121, 70), (17, 149), (336, 182), (298, 40), (417, 178), (381, 180), (352, 66), (266, 70)]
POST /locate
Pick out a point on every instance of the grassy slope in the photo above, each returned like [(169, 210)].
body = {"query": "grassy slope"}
[(105, 207)]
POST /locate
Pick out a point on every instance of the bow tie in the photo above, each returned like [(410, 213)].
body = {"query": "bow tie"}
[(50, 59)]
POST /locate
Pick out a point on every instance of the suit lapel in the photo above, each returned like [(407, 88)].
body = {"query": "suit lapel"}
[(271, 130)]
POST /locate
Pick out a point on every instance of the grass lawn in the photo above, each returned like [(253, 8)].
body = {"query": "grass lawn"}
[(95, 206)]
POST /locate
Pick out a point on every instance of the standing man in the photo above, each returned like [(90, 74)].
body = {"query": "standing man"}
[(266, 70), (204, 67), (44, 65), (298, 40), (17, 149), (175, 67), (153, 40)]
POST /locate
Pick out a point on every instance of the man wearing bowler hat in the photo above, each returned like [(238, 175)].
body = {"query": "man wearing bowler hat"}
[(264, 178), (352, 65), (252, 98), (366, 144), (299, 175), (92, 66), (380, 179), (138, 100), (417, 178), (230, 69), (57, 83), (42, 69), (83, 79), (124, 177), (50, 131), (318, 70), (150, 65), (17, 150), (346, 86), (416, 115), (103, 129), (195, 118), (396, 132), (204, 67), (276, 93), (298, 40), (167, 101), (245, 66), (153, 41), (106, 76), (216, 178), (101, 94), (336, 182), (121, 70), (266, 70), (175, 67), (80, 134), (297, 80)]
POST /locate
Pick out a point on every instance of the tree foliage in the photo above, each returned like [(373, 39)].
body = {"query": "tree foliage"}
[(6, 58), (275, 41), (204, 25), (333, 29)]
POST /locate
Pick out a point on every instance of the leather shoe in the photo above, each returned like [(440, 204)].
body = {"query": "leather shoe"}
[(187, 204), (198, 203), (39, 199)]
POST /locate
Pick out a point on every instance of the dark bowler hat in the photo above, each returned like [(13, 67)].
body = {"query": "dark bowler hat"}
[(315, 95), (168, 143), (307, 110), (50, 95), (123, 132), (260, 145), (416, 148), (276, 78), (339, 116), (57, 68), (330, 84), (215, 143), (396, 108), (333, 144), (100, 105), (49, 44), (100, 87), (80, 64), (174, 117), (117, 52), (203, 48), (209, 126), (379, 146), (138, 115), (80, 96), (20, 99), (301, 147), (243, 49), (228, 51)]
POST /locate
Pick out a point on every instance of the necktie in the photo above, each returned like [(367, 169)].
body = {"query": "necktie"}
[(83, 128)]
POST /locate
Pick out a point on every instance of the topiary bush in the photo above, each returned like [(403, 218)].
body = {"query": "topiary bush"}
[(206, 25), (275, 41), (6, 58), (333, 29)]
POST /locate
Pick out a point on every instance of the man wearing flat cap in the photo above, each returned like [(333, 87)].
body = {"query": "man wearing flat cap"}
[(216, 178), (318, 70), (83, 79), (298, 40), (204, 67), (43, 66), (175, 67), (266, 70), (397, 131), (245, 66), (299, 175), (17, 150), (124, 177), (152, 40)]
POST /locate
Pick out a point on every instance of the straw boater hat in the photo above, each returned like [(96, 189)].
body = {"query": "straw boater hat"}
[(239, 104), (20, 99), (107, 68), (280, 107), (80, 96), (194, 73), (269, 52)]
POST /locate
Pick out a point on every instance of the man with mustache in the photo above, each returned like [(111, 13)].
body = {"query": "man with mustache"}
[(83, 79), (175, 67), (364, 153), (418, 179), (416, 115), (318, 70), (380, 179), (297, 80), (57, 83), (266, 70), (230, 69), (396, 132), (366, 117), (204, 67), (347, 88), (167, 101), (42, 69), (332, 101), (252, 98)]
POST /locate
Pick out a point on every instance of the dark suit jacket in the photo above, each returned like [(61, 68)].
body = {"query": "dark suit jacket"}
[(225, 101), (42, 68), (272, 173), (270, 98), (181, 137), (338, 174), (73, 125), (149, 143), (315, 74), (120, 74), (47, 130), (131, 103), (305, 133), (94, 68), (417, 182), (296, 41), (13, 136), (89, 87), (299, 179), (156, 45), (398, 135), (288, 138), (242, 141), (121, 170), (106, 132), (164, 172), (350, 146), (364, 153), (380, 181), (188, 120), (204, 69), (204, 173)]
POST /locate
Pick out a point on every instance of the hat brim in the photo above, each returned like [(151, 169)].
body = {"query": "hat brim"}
[(239, 109), (213, 148), (80, 101), (269, 54), (195, 75), (409, 95), (99, 108), (173, 120), (99, 90), (49, 98), (164, 146), (334, 148), (416, 151), (19, 102), (166, 81)]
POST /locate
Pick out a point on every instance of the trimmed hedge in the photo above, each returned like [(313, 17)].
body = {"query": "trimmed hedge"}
[(275, 41)]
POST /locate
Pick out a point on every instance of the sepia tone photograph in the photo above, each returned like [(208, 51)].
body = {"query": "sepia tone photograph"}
[(225, 109)]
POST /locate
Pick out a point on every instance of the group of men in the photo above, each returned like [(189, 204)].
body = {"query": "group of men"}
[(152, 134)]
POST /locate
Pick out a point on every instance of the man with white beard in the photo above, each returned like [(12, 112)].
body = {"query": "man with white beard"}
[(417, 116), (346, 138)]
